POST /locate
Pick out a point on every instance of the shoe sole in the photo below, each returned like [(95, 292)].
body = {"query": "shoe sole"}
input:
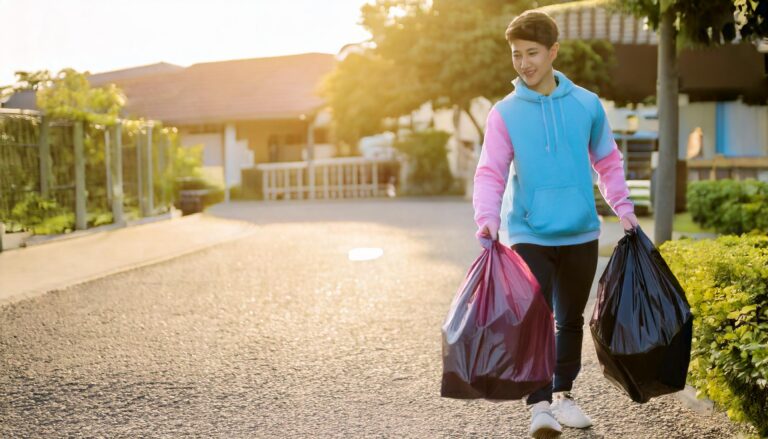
[(565, 424), (546, 433), (559, 419)]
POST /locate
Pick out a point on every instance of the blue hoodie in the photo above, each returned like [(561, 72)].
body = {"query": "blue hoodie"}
[(556, 138)]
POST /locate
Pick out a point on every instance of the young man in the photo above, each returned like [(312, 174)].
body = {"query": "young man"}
[(553, 132)]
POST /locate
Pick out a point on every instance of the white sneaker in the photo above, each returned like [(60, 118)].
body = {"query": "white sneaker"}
[(543, 423), (568, 413)]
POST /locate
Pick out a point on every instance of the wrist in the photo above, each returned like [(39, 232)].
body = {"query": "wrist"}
[(625, 209)]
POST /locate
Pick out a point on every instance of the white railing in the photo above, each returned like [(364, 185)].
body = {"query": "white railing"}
[(640, 192), (348, 177)]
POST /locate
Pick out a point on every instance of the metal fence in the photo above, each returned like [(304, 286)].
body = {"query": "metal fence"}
[(125, 167), (19, 158)]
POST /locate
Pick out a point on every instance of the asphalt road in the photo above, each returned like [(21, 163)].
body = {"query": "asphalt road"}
[(279, 334)]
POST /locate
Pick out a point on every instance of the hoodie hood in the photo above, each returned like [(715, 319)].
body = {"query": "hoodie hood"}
[(564, 86), (557, 122)]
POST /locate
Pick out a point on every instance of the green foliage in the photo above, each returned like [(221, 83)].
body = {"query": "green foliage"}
[(365, 89), (457, 48), (31, 80), (40, 215), (62, 223), (19, 165), (186, 163), (445, 52), (43, 216), (729, 206), (429, 173), (20, 171), (753, 17), (70, 96), (26, 81), (706, 22), (726, 282), (588, 64), (33, 210), (188, 176), (99, 218)]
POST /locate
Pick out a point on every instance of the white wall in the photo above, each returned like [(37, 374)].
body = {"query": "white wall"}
[(212, 155), (238, 155), (618, 117), (697, 114), (462, 129), (320, 151)]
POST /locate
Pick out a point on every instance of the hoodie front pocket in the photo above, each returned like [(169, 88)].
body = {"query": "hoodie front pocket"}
[(561, 211)]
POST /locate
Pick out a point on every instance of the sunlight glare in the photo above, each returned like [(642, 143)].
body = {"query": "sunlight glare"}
[(365, 253)]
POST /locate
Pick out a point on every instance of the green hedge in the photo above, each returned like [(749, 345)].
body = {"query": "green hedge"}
[(729, 206), (726, 281)]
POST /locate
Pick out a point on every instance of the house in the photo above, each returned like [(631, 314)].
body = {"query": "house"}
[(244, 112)]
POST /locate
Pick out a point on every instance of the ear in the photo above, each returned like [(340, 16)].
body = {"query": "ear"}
[(553, 52)]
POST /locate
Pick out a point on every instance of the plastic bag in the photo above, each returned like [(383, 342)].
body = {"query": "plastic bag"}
[(498, 338), (642, 323)]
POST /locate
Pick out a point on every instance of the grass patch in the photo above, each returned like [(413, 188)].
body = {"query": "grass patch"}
[(683, 223)]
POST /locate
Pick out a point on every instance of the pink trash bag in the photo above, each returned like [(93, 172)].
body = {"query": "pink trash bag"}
[(498, 338)]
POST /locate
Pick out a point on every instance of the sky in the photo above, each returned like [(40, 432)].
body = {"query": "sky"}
[(104, 35)]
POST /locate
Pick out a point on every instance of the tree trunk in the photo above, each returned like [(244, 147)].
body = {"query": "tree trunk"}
[(478, 127), (664, 210)]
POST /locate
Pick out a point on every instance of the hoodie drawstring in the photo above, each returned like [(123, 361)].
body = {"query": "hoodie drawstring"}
[(544, 117), (562, 118), (554, 121)]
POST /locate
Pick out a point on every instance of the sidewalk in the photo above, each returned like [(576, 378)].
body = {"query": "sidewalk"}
[(35, 270)]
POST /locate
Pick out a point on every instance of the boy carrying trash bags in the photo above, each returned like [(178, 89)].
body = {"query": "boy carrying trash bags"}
[(515, 327)]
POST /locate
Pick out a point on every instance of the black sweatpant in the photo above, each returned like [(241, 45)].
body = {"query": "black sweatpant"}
[(565, 273)]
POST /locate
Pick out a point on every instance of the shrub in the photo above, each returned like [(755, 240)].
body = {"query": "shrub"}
[(729, 206), (33, 210), (726, 282), (429, 173), (43, 216)]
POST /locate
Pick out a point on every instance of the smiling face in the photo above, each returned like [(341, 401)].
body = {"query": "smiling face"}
[(533, 60)]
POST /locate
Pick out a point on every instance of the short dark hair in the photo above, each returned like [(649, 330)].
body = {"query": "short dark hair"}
[(533, 26)]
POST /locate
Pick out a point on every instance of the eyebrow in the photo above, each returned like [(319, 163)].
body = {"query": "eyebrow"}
[(529, 50)]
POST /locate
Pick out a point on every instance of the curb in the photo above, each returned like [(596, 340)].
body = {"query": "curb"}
[(44, 239)]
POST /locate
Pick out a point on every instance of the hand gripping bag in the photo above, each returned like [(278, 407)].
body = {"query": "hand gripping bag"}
[(641, 324), (498, 337)]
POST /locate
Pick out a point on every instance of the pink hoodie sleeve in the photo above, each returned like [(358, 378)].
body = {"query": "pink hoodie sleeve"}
[(613, 186), (492, 171), (608, 162)]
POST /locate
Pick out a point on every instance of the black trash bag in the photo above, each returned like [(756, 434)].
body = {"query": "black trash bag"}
[(498, 337), (642, 323)]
